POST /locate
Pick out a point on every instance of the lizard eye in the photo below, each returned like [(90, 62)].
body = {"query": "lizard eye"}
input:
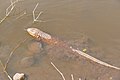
[(37, 35)]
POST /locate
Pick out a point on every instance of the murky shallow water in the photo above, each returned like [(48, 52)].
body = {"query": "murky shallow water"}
[(66, 19)]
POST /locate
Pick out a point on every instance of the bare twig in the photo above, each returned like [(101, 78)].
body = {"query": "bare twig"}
[(79, 79), (39, 15), (35, 19), (11, 7), (94, 59), (72, 77), (34, 11), (62, 73), (5, 71), (3, 19), (21, 15), (58, 70), (13, 52)]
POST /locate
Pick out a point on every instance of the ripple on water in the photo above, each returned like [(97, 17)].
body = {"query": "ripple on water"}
[(27, 61)]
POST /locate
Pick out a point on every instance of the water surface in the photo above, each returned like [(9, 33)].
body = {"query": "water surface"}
[(68, 19)]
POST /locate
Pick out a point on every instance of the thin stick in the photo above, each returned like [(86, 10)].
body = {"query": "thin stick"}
[(34, 11), (12, 4), (39, 15), (11, 7), (3, 19), (58, 70), (13, 52), (8, 13), (35, 19), (94, 59), (72, 77), (21, 15), (79, 79), (5, 71)]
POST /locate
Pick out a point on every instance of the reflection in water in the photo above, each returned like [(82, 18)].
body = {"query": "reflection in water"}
[(66, 19)]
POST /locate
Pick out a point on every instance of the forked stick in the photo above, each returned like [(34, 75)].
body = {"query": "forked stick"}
[(5, 71), (13, 52), (35, 19), (11, 7), (7, 14), (58, 70)]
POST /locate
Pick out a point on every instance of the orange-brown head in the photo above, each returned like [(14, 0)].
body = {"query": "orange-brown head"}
[(36, 33)]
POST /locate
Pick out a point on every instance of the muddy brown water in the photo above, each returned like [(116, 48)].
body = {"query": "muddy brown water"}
[(89, 24)]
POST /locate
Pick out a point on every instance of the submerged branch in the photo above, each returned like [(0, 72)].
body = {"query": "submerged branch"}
[(72, 77), (5, 71), (13, 52), (11, 7), (35, 19), (58, 70)]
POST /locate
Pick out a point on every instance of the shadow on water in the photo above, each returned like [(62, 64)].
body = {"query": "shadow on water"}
[(73, 22)]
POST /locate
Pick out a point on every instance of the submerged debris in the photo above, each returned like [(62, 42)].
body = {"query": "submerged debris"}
[(19, 76), (34, 47)]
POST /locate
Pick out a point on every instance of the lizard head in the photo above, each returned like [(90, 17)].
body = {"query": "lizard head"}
[(36, 33)]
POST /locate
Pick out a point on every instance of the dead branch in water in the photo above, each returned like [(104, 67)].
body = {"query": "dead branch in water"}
[(58, 70), (21, 15), (79, 79), (72, 77), (13, 52), (5, 71), (35, 19), (62, 73), (9, 9), (95, 59)]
